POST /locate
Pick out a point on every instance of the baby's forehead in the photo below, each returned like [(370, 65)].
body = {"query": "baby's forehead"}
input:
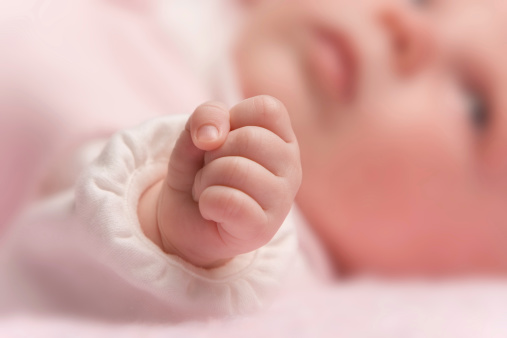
[(491, 14), (478, 30)]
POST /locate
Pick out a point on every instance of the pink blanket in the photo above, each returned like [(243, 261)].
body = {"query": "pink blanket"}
[(355, 309)]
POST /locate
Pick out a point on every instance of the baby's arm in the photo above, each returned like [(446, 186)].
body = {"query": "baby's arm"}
[(106, 266), (225, 193)]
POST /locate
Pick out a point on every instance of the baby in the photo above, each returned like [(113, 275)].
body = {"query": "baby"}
[(397, 108), (381, 119)]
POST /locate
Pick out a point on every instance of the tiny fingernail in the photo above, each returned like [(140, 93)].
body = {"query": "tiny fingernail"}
[(207, 133)]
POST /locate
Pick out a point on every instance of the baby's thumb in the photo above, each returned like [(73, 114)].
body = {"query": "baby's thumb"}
[(206, 130), (209, 125)]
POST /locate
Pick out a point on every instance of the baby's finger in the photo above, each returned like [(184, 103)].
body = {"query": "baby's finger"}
[(245, 175), (189, 235), (198, 136), (209, 125), (186, 160), (266, 112), (262, 146), (241, 222)]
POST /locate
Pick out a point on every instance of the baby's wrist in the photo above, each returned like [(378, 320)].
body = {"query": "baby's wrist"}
[(148, 219), (168, 248), (147, 213)]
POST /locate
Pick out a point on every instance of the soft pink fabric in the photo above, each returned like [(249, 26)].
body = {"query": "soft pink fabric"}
[(359, 309), (75, 70)]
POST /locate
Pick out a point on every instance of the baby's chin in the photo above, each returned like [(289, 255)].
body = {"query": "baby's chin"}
[(423, 268), (355, 258)]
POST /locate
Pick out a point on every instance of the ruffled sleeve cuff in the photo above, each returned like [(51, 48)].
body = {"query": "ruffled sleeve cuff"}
[(107, 196)]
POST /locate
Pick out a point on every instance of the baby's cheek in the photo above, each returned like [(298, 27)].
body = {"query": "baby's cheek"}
[(400, 168), (393, 195)]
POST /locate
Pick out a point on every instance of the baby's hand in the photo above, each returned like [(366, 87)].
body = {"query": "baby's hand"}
[(232, 178)]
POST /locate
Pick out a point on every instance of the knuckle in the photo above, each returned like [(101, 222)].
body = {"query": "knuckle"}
[(236, 171), (231, 171), (288, 161), (268, 106), (210, 105), (287, 187), (212, 111), (292, 155), (245, 138), (294, 169), (230, 205)]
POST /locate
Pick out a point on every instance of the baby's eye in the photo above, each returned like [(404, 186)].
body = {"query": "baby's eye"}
[(477, 109), (420, 3)]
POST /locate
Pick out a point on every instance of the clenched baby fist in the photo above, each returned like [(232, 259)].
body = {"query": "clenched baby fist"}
[(231, 181)]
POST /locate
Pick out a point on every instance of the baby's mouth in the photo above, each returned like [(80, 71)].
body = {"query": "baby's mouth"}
[(332, 61)]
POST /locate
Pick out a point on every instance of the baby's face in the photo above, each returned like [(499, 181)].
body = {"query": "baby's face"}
[(400, 108)]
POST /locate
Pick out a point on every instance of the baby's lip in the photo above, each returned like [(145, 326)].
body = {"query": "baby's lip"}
[(334, 61)]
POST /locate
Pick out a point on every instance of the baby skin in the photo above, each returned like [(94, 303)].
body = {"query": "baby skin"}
[(232, 178)]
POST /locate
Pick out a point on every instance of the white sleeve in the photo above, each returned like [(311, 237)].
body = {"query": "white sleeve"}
[(137, 279)]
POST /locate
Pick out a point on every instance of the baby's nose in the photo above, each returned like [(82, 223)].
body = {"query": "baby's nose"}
[(411, 38)]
